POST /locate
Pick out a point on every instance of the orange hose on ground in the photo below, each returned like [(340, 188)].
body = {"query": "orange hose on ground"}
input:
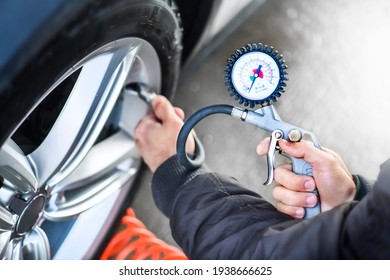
[(134, 242)]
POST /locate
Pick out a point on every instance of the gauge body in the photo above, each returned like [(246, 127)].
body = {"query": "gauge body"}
[(255, 75)]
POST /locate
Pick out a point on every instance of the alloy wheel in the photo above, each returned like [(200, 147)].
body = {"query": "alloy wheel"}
[(86, 160)]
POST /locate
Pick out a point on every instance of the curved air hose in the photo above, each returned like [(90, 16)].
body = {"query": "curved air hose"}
[(186, 130)]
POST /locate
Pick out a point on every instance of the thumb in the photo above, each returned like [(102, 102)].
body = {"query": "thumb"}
[(162, 108)]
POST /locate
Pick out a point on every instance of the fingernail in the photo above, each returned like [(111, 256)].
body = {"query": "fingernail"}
[(311, 200), (300, 212), (309, 185)]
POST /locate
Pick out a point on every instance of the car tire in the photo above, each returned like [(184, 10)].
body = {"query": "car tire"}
[(67, 114)]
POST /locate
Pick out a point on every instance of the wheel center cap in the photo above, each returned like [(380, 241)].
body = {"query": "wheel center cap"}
[(30, 214)]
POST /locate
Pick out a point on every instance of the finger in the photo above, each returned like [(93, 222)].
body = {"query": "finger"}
[(262, 147), (295, 212), (292, 181), (162, 108), (145, 125), (305, 150), (293, 198), (179, 112)]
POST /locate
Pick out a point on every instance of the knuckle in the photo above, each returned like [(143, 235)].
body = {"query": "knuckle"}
[(279, 207), (139, 130)]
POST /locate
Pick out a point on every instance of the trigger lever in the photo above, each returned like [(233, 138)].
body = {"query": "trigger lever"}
[(273, 146)]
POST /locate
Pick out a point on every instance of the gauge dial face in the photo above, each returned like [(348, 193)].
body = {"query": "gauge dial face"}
[(255, 75)]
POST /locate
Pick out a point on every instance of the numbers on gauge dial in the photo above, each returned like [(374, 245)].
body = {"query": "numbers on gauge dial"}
[(255, 75)]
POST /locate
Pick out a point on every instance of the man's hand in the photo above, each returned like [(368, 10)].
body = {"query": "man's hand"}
[(330, 175), (157, 133)]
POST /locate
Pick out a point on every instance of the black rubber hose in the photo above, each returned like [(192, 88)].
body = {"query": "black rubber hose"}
[(186, 130)]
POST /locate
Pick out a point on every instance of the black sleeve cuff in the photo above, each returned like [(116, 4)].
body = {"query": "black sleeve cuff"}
[(363, 187)]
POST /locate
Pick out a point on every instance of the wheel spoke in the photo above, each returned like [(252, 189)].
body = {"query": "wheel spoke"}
[(16, 169), (14, 249), (36, 245), (135, 109), (107, 166), (4, 242), (71, 203), (90, 103), (102, 159), (6, 220)]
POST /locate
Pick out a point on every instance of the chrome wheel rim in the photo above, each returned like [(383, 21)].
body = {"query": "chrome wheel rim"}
[(75, 171)]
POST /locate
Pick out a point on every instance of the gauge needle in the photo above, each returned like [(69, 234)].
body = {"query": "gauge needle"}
[(255, 76)]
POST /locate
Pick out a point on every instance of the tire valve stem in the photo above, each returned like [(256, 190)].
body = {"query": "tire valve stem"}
[(144, 93), (147, 96)]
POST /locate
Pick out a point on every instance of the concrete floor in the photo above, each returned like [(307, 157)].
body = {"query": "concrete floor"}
[(337, 53)]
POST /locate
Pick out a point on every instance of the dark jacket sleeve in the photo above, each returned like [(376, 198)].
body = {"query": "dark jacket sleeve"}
[(363, 187), (212, 217)]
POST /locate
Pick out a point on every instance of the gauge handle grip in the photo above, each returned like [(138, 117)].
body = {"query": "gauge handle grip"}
[(301, 167)]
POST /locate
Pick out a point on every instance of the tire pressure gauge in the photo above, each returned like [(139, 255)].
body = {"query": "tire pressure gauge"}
[(256, 75)]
